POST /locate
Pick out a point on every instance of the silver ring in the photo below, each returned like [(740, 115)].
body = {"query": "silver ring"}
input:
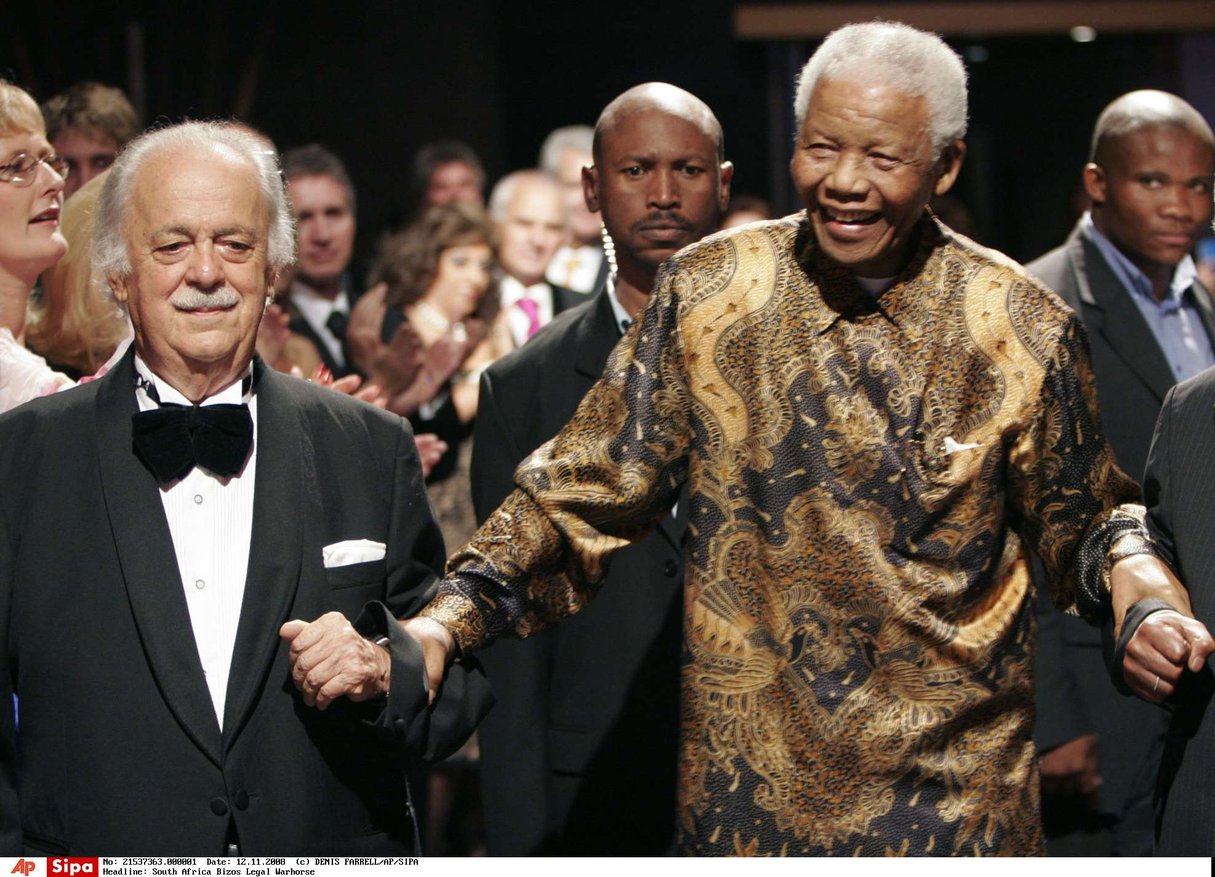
[(1157, 685)]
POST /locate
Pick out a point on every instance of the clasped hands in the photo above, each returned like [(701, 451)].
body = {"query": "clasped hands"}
[(1168, 642), (330, 659)]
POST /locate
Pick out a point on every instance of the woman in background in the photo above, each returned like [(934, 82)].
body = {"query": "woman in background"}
[(436, 275), (31, 198)]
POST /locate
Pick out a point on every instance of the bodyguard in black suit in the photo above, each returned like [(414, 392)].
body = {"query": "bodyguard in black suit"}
[(1179, 488), (128, 742), (579, 755), (1126, 271)]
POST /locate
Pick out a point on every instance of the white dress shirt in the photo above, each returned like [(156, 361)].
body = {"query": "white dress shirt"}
[(510, 291), (623, 318), (211, 523), (1175, 321), (315, 309)]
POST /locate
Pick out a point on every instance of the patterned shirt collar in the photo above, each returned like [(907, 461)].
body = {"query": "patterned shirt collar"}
[(841, 296)]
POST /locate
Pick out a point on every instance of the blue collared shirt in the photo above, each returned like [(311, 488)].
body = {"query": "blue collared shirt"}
[(1175, 321)]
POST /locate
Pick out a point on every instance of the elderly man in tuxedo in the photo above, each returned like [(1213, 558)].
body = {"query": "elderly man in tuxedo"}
[(198, 593)]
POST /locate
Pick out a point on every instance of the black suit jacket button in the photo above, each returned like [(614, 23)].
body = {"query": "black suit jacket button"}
[(671, 568), (241, 799), (219, 806)]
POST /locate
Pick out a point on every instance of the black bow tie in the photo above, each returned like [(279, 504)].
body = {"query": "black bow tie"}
[(172, 439)]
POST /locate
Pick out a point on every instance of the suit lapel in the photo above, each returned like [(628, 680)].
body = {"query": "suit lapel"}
[(1202, 300), (284, 467), (672, 527), (1120, 322), (597, 336), (149, 565)]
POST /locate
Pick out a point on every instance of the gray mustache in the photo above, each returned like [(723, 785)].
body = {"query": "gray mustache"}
[(188, 299)]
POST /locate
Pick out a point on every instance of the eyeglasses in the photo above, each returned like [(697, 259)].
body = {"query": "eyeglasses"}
[(24, 167)]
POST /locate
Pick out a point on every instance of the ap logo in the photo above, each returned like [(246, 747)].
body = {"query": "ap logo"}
[(23, 867)]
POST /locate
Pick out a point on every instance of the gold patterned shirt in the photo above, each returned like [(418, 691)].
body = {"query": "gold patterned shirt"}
[(863, 474)]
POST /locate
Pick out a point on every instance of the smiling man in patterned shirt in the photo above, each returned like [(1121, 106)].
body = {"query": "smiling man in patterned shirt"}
[(875, 418)]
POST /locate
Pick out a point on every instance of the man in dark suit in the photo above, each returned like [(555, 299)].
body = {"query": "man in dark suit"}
[(198, 592), (1178, 487), (530, 221), (1126, 269), (320, 297), (579, 755)]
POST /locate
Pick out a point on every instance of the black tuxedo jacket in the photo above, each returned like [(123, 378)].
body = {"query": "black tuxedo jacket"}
[(579, 754), (1179, 489), (1133, 376), (119, 749)]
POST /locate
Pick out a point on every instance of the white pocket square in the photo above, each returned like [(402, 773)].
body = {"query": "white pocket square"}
[(352, 551), (952, 446)]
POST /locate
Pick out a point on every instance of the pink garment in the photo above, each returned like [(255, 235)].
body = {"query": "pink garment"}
[(25, 375)]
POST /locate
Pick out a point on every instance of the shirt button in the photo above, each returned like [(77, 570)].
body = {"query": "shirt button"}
[(200, 584), (198, 499)]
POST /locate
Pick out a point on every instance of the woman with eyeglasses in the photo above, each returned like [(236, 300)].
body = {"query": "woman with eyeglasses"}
[(31, 196)]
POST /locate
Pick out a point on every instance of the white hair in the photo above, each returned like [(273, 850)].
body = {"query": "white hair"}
[(504, 191), (916, 62), (110, 255), (572, 138)]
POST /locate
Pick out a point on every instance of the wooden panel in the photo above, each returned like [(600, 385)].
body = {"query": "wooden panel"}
[(799, 21)]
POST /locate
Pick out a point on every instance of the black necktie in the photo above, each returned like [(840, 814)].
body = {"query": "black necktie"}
[(172, 439), (337, 324)]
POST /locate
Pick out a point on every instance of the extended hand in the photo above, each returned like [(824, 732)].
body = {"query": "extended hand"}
[(1071, 768), (438, 648), (431, 449), (363, 330), (272, 335), (329, 659), (1164, 646), (1166, 643)]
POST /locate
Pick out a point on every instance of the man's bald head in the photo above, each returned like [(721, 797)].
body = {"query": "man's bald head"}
[(1137, 110), (1150, 181), (659, 181), (666, 98)]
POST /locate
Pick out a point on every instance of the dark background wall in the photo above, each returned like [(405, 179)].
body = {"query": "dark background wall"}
[(375, 80)]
